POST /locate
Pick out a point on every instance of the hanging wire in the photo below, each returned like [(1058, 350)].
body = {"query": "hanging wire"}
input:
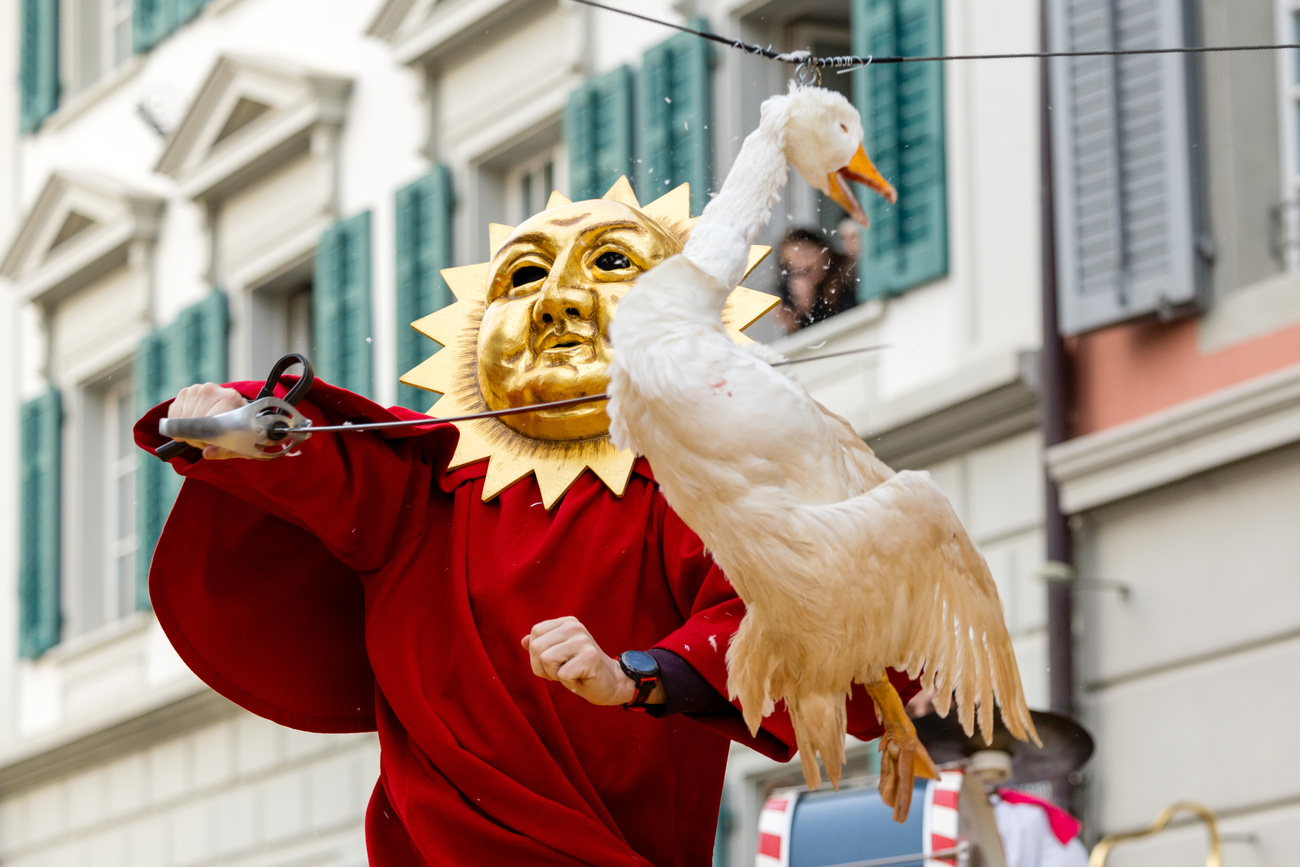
[(846, 63)]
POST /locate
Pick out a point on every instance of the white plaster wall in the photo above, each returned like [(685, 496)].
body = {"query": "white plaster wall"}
[(1198, 555), (10, 353), (1203, 653), (380, 145), (243, 791)]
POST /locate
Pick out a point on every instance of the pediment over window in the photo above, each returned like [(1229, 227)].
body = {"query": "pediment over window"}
[(82, 225), (251, 115), (423, 31)]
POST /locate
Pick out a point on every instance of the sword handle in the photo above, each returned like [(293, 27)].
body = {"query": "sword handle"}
[(175, 449)]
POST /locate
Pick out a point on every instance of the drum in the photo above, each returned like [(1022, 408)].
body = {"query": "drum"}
[(950, 823)]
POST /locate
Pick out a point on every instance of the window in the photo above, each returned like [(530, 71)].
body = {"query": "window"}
[(674, 145), (341, 305), (105, 587), (280, 316), (528, 186), (1126, 219), (39, 570), (1286, 217), (101, 39), (809, 207), (598, 131), (424, 249), (902, 109), (38, 62), (155, 20), (194, 348)]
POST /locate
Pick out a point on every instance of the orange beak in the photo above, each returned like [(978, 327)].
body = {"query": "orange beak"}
[(863, 171)]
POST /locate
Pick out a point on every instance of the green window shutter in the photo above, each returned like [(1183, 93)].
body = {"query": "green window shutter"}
[(152, 22), (598, 132), (207, 325), (187, 10), (160, 368), (156, 484), (40, 612), (577, 136), (902, 109), (424, 211), (674, 113), (193, 349), (341, 305), (39, 62)]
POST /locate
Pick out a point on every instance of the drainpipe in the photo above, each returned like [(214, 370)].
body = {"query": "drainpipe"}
[(1052, 414)]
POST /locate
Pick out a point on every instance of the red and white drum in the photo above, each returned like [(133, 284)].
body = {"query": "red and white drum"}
[(798, 828)]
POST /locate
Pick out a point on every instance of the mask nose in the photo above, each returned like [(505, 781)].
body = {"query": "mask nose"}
[(563, 297)]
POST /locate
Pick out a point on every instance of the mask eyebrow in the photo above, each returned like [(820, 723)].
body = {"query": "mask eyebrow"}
[(533, 239), (611, 225)]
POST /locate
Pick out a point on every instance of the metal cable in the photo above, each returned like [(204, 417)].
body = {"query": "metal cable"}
[(845, 63)]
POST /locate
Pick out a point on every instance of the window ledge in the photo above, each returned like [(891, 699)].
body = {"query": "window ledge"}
[(1191, 438), (453, 24), (219, 7), (986, 400), (91, 96), (130, 627), (807, 342), (136, 723)]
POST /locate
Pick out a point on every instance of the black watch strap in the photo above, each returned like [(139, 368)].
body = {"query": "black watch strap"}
[(644, 671)]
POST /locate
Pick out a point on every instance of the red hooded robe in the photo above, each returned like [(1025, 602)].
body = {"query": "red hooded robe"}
[(359, 585)]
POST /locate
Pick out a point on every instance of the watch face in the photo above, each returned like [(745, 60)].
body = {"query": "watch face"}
[(639, 662)]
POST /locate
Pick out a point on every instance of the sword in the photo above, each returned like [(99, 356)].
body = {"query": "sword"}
[(270, 427)]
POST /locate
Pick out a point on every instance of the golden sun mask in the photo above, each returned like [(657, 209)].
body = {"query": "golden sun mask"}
[(532, 325)]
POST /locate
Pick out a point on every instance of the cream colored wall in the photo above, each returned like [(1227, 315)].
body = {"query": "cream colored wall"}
[(11, 322), (240, 791), (1203, 654)]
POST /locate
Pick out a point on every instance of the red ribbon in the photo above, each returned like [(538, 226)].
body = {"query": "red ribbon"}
[(1064, 826)]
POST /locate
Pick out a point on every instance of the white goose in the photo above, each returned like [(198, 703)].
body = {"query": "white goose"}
[(846, 567)]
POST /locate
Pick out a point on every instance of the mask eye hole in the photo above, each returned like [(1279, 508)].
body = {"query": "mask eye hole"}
[(612, 261), (527, 274)]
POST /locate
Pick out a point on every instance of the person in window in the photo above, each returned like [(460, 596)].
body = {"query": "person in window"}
[(849, 235), (815, 283), (421, 582)]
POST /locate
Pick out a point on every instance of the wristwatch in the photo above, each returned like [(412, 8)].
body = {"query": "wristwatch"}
[(644, 671)]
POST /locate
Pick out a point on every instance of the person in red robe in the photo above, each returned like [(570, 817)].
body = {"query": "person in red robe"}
[(358, 584)]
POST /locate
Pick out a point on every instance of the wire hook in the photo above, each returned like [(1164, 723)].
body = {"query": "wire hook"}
[(807, 75)]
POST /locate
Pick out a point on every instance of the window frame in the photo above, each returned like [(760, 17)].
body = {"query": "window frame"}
[(1287, 220), (890, 265), (533, 168), (93, 568), (82, 31)]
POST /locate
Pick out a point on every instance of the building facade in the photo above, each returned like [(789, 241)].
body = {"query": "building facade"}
[(191, 189), (1176, 204)]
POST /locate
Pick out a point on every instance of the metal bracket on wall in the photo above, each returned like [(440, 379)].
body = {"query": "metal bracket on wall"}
[(1056, 572)]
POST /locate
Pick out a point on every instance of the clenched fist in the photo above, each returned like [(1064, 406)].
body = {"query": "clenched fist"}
[(200, 401), (563, 650)]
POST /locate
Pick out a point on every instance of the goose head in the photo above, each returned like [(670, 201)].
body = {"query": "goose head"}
[(824, 144)]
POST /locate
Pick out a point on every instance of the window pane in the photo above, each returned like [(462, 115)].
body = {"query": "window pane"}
[(126, 583), (1295, 39), (122, 42)]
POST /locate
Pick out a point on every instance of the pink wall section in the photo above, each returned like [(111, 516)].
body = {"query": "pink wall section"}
[(1129, 371)]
